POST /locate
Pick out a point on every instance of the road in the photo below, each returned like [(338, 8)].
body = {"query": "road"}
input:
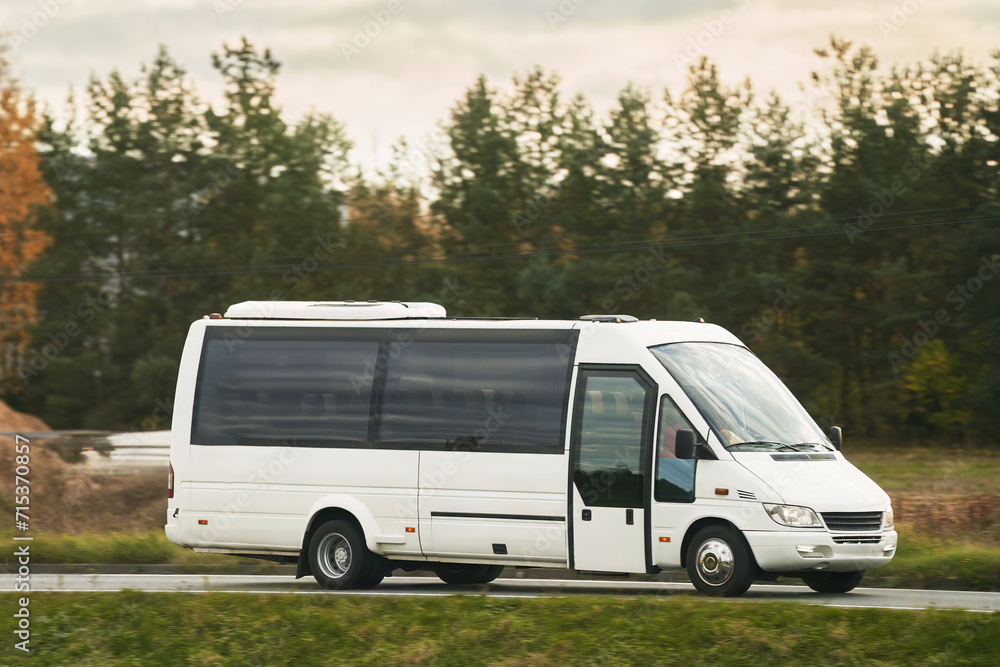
[(879, 598)]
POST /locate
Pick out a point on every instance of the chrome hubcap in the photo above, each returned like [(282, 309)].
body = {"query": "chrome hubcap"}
[(715, 562), (334, 555)]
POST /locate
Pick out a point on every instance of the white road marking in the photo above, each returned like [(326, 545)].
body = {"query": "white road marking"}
[(513, 587)]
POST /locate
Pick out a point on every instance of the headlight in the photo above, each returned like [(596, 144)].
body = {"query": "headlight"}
[(890, 520), (793, 515)]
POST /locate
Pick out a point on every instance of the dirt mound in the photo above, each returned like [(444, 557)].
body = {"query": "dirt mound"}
[(46, 474), (45, 469), (65, 498), (12, 421), (947, 513), (95, 503)]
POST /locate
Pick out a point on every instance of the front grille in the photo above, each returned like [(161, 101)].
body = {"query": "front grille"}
[(851, 521), (857, 539)]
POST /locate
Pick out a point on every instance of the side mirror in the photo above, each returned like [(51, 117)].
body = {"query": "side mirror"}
[(684, 444), (836, 437)]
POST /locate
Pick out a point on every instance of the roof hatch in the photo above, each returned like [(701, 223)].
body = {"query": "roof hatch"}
[(609, 318), (335, 310)]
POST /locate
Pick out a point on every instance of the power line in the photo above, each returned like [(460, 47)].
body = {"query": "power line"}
[(594, 246), (687, 197), (914, 214)]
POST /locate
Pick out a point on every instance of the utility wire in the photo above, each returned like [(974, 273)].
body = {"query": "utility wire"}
[(687, 197), (916, 215), (593, 247)]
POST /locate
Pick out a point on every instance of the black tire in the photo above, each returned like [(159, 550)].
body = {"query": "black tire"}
[(492, 572), (371, 582), (465, 573), (338, 557), (380, 568), (719, 562), (833, 582)]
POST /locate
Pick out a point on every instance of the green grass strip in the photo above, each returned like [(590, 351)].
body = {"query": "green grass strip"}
[(925, 562), (146, 547), (231, 629)]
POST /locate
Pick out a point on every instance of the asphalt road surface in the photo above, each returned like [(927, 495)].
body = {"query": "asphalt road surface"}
[(880, 598)]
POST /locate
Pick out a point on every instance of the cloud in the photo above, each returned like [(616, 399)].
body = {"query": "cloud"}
[(417, 65)]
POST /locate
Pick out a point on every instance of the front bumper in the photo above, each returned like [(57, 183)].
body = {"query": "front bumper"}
[(802, 550)]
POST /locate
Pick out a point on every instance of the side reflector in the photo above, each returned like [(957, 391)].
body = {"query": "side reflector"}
[(722, 492), (411, 529), (202, 522), (664, 539), (170, 481)]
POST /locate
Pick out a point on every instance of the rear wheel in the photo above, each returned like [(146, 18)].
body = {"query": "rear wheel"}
[(380, 568), (339, 558), (719, 562), (833, 582), (465, 573)]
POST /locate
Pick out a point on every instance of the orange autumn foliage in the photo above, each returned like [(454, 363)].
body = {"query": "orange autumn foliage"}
[(22, 190)]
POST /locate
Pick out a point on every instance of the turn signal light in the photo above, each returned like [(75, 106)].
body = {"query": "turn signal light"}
[(411, 529)]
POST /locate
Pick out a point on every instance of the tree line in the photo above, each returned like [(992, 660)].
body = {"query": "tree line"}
[(850, 239)]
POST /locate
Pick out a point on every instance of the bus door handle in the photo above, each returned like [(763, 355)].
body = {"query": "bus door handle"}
[(629, 517), (586, 515)]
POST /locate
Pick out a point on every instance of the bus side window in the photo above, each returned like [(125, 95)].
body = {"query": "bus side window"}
[(671, 421), (502, 395), (674, 477), (285, 386)]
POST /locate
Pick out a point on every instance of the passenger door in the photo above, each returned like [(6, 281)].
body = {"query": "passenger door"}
[(610, 482)]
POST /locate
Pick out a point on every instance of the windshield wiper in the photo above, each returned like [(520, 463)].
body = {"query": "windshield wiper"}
[(810, 444), (780, 445)]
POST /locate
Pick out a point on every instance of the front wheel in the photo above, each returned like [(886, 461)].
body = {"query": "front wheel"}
[(719, 562), (833, 582), (339, 558)]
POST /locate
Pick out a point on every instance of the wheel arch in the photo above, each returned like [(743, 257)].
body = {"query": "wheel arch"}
[(331, 509), (702, 523)]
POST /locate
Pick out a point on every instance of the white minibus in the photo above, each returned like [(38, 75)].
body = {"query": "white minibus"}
[(361, 438)]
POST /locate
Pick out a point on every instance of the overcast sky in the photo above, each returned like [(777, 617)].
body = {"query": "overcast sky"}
[(423, 53)]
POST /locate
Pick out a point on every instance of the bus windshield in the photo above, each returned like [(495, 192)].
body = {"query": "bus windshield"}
[(746, 404)]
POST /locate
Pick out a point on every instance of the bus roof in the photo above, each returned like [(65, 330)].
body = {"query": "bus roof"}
[(366, 314)]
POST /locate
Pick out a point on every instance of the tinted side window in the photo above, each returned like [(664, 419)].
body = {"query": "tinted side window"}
[(499, 393), (674, 476), (279, 386), (608, 470)]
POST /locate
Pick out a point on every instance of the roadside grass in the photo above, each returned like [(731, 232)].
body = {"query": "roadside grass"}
[(253, 629), (933, 562), (923, 560), (134, 548), (944, 470)]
